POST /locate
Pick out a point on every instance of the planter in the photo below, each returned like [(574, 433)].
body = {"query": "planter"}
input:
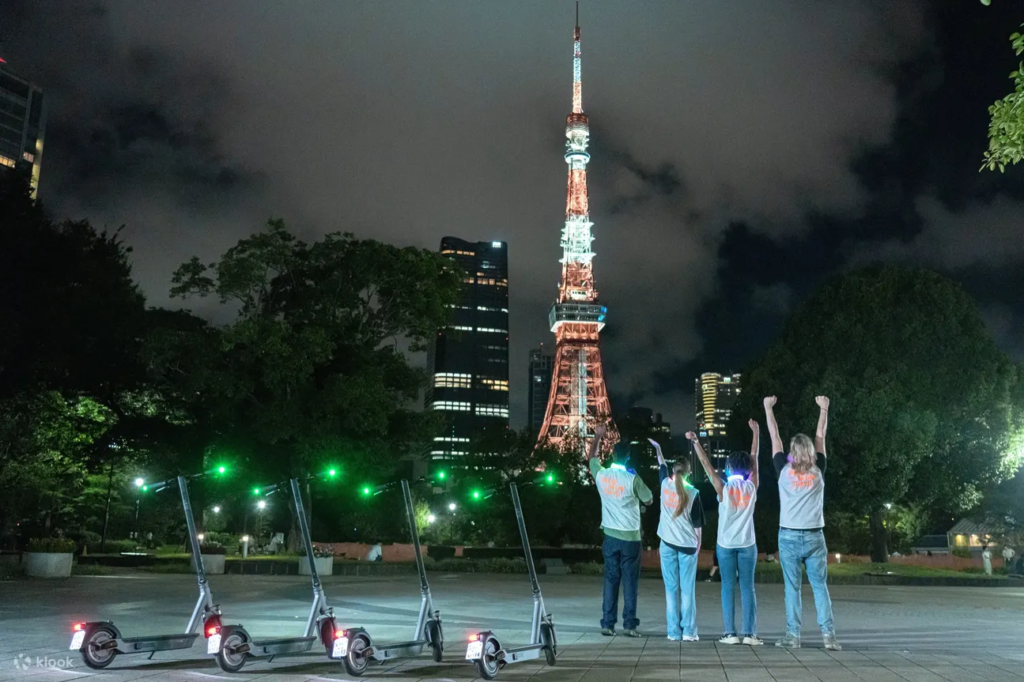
[(213, 563), (324, 566), (47, 565)]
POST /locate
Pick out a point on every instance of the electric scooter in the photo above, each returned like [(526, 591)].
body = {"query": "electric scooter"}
[(101, 641), (237, 645), (356, 648), (484, 649)]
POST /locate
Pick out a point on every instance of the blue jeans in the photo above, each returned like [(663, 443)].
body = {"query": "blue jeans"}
[(621, 565), (679, 571), (796, 549), (739, 562)]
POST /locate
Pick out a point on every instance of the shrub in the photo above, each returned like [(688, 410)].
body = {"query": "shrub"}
[(319, 552), (114, 547), (212, 548), (90, 569), (170, 567), (962, 552), (51, 545), (587, 568), (502, 565)]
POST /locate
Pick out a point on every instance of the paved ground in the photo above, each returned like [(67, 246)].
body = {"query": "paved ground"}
[(899, 634)]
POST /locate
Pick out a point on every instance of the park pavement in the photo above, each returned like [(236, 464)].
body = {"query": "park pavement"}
[(898, 634)]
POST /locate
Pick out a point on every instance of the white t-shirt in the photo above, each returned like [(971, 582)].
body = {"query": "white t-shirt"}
[(801, 495), (620, 508), (736, 513), (677, 530)]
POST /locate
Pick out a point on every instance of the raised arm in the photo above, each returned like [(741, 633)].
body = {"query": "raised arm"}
[(819, 434), (773, 426), (755, 450), (716, 480), (595, 445), (657, 451)]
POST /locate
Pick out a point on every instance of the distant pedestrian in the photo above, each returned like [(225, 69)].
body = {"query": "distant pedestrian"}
[(737, 545), (802, 524), (1008, 555), (986, 559), (680, 525), (376, 552), (714, 567), (622, 493)]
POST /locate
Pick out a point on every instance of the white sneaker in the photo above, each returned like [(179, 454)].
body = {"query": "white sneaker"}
[(729, 639), (790, 641), (753, 640), (673, 639), (691, 638), (830, 642)]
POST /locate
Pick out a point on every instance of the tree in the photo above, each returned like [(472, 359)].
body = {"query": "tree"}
[(925, 407), (312, 368), (1006, 127)]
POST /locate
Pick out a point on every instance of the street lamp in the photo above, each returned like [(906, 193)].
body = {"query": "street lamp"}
[(452, 506), (216, 510), (140, 487), (139, 482), (261, 504), (431, 518)]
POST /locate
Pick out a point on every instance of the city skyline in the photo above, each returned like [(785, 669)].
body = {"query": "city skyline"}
[(724, 193)]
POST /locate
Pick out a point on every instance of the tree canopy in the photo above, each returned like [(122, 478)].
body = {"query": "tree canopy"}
[(1006, 127), (925, 407)]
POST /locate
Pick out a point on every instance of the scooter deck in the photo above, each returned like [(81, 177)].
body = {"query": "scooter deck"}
[(160, 642), (524, 653), (287, 645), (383, 652)]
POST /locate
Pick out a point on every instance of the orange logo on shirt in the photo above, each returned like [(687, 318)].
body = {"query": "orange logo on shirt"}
[(802, 481), (611, 487), (739, 498), (669, 498)]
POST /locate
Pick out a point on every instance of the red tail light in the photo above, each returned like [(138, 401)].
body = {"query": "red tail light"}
[(212, 630), (473, 638), (77, 627), (338, 634)]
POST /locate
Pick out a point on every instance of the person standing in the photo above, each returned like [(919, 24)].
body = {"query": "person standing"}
[(986, 559), (1008, 555), (802, 524), (737, 545), (679, 527), (621, 493)]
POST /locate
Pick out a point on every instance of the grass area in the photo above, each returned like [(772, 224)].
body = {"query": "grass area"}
[(90, 569)]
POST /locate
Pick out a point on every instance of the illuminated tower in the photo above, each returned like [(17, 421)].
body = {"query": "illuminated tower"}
[(578, 399)]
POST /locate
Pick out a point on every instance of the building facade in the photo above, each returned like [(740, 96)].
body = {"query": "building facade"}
[(542, 364), (637, 426), (715, 395), (468, 361), (22, 125)]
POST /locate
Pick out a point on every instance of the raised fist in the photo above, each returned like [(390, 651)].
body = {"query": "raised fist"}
[(690, 435), (600, 430), (770, 401), (754, 426), (822, 401)]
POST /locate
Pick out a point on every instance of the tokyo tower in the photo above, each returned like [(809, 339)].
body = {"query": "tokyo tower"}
[(578, 400)]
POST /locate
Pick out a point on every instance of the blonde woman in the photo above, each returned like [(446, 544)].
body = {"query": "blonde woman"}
[(737, 545), (802, 523), (682, 518)]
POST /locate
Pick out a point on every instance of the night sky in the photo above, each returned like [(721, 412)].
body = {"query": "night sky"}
[(742, 150)]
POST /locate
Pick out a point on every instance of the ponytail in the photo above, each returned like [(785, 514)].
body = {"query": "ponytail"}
[(679, 471)]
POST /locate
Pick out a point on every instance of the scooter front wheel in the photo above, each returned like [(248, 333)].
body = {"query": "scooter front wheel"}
[(230, 660), (95, 649), (435, 638), (487, 664), (355, 660), (550, 641)]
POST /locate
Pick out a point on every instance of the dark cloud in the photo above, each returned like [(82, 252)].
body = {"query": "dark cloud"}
[(742, 150)]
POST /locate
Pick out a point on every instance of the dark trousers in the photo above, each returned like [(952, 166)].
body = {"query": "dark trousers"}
[(621, 565)]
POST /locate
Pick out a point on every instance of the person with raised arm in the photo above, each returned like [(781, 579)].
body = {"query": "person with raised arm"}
[(682, 518), (802, 523), (737, 544), (622, 492)]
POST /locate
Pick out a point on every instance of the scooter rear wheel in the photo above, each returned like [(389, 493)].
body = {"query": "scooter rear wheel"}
[(487, 664), (435, 638), (93, 654), (228, 659), (355, 660), (550, 640)]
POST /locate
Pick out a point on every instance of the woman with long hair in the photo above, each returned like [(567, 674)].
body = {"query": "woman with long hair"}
[(802, 523), (682, 518), (737, 545)]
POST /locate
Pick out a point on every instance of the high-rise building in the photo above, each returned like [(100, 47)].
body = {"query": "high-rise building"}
[(715, 396), (542, 364), (579, 398), (22, 124), (468, 361)]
